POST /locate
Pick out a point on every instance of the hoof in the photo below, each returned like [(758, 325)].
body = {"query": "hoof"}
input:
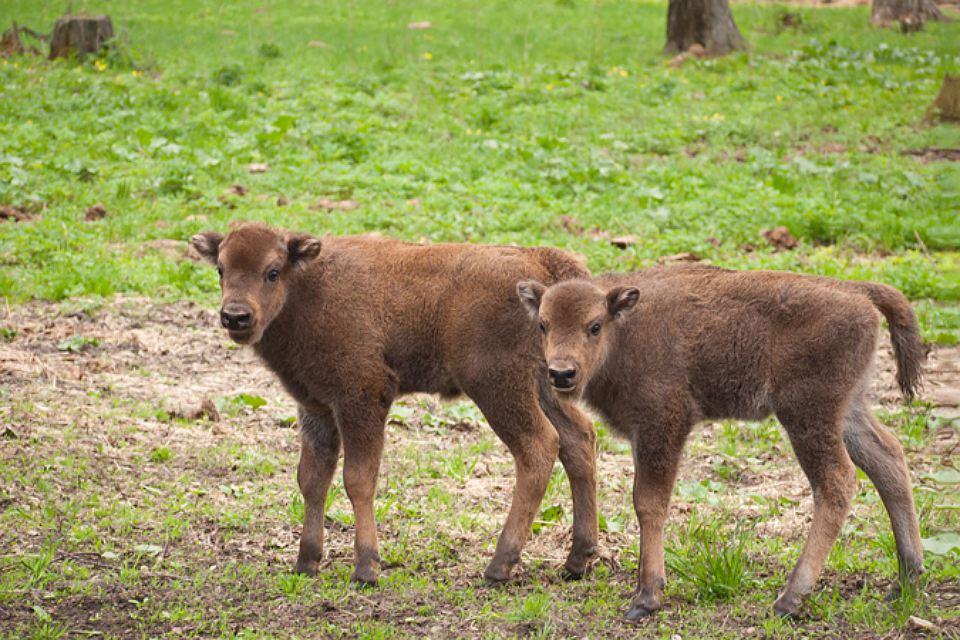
[(638, 612), (363, 578), (495, 576), (572, 576), (787, 607), (577, 566), (308, 569)]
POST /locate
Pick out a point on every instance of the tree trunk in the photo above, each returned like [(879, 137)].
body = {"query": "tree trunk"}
[(946, 107), (79, 35), (708, 23), (906, 12)]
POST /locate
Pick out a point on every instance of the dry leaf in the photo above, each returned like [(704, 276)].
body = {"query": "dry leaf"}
[(258, 167), (424, 24), (922, 625), (780, 238), (281, 201), (317, 44), (680, 257), (17, 214), (622, 242), (235, 190), (96, 212)]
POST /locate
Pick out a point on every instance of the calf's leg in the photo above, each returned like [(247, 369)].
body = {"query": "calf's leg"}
[(361, 429), (516, 418), (655, 470), (816, 436), (319, 451), (578, 456), (875, 450)]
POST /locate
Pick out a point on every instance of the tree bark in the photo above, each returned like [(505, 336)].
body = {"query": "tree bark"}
[(708, 23), (79, 35), (906, 12), (946, 107)]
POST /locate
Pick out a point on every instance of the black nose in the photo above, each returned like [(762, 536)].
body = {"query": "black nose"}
[(562, 378), (235, 317)]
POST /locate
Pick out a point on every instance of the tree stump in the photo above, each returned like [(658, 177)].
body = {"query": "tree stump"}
[(909, 14), (708, 23), (79, 35), (946, 107)]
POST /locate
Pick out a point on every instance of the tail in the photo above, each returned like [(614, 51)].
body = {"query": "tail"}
[(561, 265), (908, 346)]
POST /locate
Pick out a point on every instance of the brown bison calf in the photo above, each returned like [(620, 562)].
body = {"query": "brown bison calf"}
[(658, 351), (348, 324)]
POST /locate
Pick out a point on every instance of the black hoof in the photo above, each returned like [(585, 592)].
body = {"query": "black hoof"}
[(308, 569), (787, 611), (572, 576), (496, 580), (638, 612), (363, 580)]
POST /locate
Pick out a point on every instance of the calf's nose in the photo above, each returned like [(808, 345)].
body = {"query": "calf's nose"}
[(235, 316), (562, 376)]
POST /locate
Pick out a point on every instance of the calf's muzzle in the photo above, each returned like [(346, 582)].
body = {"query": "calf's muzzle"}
[(236, 317), (563, 374)]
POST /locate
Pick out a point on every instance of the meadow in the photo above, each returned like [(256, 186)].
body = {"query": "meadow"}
[(125, 513)]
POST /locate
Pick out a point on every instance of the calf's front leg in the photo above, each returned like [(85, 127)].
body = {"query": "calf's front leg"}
[(654, 475), (319, 451)]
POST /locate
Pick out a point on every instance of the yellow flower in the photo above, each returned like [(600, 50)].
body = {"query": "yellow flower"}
[(100, 65), (624, 73), (427, 55), (779, 98), (549, 87), (136, 73)]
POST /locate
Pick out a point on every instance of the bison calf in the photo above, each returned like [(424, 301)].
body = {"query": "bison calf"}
[(658, 351), (348, 324)]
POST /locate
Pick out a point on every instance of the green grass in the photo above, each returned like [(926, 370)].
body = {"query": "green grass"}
[(552, 122), (491, 126)]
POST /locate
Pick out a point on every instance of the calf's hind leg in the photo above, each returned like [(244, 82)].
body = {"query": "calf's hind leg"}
[(818, 443), (879, 454), (516, 418), (319, 451), (362, 433)]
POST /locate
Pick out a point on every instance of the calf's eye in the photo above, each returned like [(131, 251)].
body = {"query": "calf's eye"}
[(595, 329), (273, 275), (543, 328)]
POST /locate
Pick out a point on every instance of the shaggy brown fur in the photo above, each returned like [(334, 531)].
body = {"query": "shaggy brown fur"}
[(348, 324), (658, 351)]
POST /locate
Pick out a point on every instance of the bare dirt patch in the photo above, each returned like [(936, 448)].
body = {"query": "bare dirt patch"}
[(934, 154)]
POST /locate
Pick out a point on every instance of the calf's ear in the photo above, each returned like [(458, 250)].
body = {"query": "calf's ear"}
[(207, 244), (530, 293), (302, 248), (621, 300)]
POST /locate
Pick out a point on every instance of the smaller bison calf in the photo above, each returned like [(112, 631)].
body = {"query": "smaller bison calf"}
[(658, 351)]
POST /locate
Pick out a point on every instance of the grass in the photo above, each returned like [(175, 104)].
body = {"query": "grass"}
[(549, 122), (502, 123)]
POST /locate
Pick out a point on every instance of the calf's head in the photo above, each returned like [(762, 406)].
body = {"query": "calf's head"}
[(255, 263), (575, 319)]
